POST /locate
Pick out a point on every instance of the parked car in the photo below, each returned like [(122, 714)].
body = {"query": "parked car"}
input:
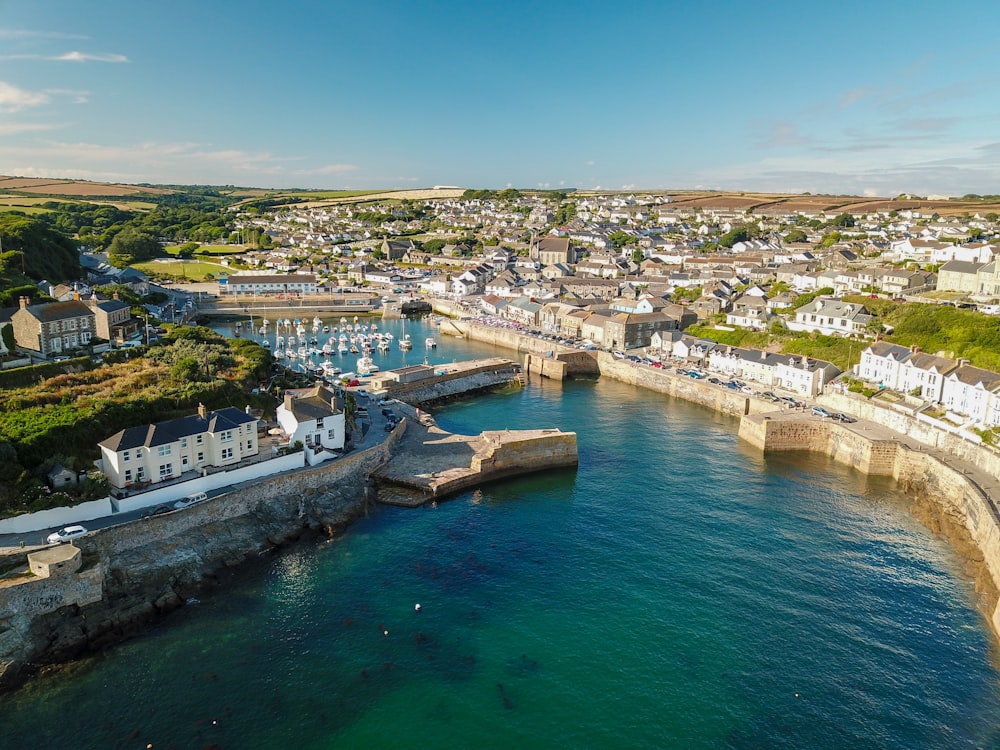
[(680, 371), (771, 395), (188, 500), (159, 510), (845, 418), (64, 535), (819, 411), (715, 381)]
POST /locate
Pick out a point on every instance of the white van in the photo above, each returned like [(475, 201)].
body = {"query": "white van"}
[(189, 500)]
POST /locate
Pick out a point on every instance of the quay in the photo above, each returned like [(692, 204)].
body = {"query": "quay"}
[(431, 463), (423, 384)]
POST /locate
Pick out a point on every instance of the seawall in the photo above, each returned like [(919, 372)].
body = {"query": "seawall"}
[(467, 378), (134, 573), (953, 498), (954, 484)]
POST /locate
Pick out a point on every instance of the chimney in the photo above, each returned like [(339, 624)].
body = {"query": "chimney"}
[(76, 296), (915, 349), (202, 412), (289, 398), (247, 410), (114, 296)]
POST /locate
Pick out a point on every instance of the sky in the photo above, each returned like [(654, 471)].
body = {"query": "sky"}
[(861, 97)]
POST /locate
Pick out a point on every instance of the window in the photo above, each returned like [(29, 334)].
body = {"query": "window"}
[(227, 453), (199, 439), (226, 436), (201, 457), (127, 455), (329, 434), (140, 473), (163, 450), (166, 470), (184, 442), (128, 476), (319, 423), (249, 445)]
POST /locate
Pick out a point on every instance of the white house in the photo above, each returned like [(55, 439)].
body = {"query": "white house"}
[(158, 452), (972, 392), (880, 363), (923, 374), (315, 417), (832, 317)]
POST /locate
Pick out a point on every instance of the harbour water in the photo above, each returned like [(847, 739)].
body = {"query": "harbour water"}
[(677, 590)]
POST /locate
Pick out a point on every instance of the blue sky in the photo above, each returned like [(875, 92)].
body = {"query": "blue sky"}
[(874, 97)]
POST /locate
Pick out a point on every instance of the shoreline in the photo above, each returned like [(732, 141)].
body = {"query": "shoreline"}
[(940, 476)]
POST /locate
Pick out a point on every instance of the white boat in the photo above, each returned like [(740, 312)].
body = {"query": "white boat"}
[(383, 345), (330, 369), (366, 366), (342, 348), (430, 343), (404, 343)]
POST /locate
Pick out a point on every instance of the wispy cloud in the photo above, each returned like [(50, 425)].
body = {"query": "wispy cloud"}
[(78, 97), (76, 57), (15, 128), (14, 99), (34, 34), (89, 57), (779, 134), (336, 169)]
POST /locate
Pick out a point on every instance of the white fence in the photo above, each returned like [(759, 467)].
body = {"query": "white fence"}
[(45, 519), (55, 517)]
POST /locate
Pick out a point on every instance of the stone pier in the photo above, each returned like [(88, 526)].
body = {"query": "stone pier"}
[(431, 463)]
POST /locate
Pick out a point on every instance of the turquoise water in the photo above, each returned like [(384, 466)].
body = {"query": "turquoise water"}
[(678, 590)]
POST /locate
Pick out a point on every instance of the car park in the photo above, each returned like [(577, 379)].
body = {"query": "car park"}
[(66, 534)]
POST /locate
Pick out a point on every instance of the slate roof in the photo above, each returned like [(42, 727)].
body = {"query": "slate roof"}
[(52, 311), (164, 433)]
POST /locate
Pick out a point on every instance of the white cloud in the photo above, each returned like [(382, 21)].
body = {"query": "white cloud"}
[(89, 57), (14, 99)]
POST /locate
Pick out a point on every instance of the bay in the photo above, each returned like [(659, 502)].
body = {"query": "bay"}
[(678, 590)]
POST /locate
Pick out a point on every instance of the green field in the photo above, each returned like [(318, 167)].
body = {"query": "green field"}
[(194, 270)]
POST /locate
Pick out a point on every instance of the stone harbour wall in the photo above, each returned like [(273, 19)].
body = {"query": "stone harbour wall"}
[(135, 572)]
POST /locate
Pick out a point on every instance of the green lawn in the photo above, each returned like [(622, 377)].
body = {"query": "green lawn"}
[(195, 270)]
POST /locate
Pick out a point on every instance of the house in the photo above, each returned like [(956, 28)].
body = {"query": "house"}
[(923, 375), (314, 417), (253, 284), (52, 328), (749, 311), (113, 319), (881, 362), (624, 331), (523, 310), (158, 452), (807, 377), (972, 392), (832, 317), (492, 304)]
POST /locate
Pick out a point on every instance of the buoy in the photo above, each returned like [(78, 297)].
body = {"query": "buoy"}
[(385, 632), (416, 607)]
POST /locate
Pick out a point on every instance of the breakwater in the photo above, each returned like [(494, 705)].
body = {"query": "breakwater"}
[(447, 381)]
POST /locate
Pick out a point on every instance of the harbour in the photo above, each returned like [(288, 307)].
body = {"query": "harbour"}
[(717, 597)]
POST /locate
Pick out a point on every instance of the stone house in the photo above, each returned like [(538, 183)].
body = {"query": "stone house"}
[(315, 417), (52, 328)]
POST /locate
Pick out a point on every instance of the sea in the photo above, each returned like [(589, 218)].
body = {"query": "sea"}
[(678, 590)]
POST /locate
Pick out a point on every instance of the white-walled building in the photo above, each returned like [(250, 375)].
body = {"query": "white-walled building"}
[(315, 417), (158, 452)]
